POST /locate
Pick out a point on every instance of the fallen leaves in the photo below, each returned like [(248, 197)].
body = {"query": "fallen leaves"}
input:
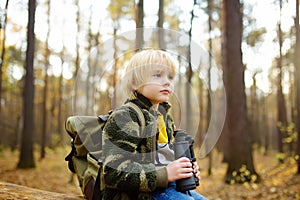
[(51, 177), (50, 174), (278, 181)]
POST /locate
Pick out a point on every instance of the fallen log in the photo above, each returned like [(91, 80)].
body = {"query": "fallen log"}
[(10, 191)]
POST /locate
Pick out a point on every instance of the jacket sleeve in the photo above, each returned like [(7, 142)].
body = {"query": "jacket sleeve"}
[(128, 160)]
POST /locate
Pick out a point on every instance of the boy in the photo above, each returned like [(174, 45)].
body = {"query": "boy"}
[(138, 162)]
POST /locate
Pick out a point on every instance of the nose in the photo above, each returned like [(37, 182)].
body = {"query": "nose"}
[(166, 81)]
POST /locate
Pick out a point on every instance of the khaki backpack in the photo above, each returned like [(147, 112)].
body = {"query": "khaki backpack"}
[(85, 158)]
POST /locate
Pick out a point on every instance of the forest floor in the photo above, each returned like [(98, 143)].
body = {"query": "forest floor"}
[(51, 179)]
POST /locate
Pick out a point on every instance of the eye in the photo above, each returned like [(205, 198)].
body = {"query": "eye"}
[(171, 77), (157, 75)]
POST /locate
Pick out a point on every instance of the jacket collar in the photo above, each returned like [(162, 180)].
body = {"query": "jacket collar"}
[(144, 103), (164, 107)]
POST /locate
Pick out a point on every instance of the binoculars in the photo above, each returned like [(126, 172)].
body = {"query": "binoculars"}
[(183, 147)]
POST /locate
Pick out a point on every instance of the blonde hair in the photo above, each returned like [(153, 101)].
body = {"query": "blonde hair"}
[(140, 64)]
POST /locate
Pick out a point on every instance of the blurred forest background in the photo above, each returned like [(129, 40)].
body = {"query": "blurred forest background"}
[(239, 73)]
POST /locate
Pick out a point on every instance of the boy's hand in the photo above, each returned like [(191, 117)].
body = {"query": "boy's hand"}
[(196, 170), (180, 168)]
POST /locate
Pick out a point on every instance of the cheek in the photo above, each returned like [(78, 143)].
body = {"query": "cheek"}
[(172, 84), (147, 89)]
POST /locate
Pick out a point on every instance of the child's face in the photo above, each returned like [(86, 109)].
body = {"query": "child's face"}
[(159, 85)]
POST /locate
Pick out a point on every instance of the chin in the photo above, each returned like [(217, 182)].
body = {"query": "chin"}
[(164, 100)]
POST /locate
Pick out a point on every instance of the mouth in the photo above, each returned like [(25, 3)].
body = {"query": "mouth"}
[(165, 91)]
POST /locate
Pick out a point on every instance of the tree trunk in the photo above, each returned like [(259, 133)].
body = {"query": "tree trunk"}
[(89, 78), (265, 126), (45, 93), (160, 23), (237, 147), (254, 111), (3, 28), (2, 31), (60, 123), (189, 75), (26, 153), (208, 111), (115, 74), (139, 24), (297, 77), (77, 60), (281, 108)]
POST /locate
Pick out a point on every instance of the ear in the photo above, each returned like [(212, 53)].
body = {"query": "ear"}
[(134, 85)]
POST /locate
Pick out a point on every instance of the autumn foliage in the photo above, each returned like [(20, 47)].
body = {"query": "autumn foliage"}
[(52, 175)]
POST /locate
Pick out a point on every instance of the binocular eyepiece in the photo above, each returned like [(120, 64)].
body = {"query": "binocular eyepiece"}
[(183, 147)]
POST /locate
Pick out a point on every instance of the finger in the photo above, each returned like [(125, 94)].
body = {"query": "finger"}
[(183, 159), (198, 176), (186, 170), (196, 167), (196, 170), (186, 164), (185, 175)]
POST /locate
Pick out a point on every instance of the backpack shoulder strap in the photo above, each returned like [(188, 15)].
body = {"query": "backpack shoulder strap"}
[(139, 112)]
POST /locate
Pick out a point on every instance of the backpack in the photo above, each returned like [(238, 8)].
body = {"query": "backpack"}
[(85, 158)]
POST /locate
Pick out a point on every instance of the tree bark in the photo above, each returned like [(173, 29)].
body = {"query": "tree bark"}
[(139, 24), (26, 153), (77, 60), (45, 93), (189, 75), (297, 77), (2, 31), (14, 191), (3, 27), (281, 108), (208, 111), (237, 147), (160, 23)]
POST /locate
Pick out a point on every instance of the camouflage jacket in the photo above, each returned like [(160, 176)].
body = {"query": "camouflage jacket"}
[(129, 153)]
